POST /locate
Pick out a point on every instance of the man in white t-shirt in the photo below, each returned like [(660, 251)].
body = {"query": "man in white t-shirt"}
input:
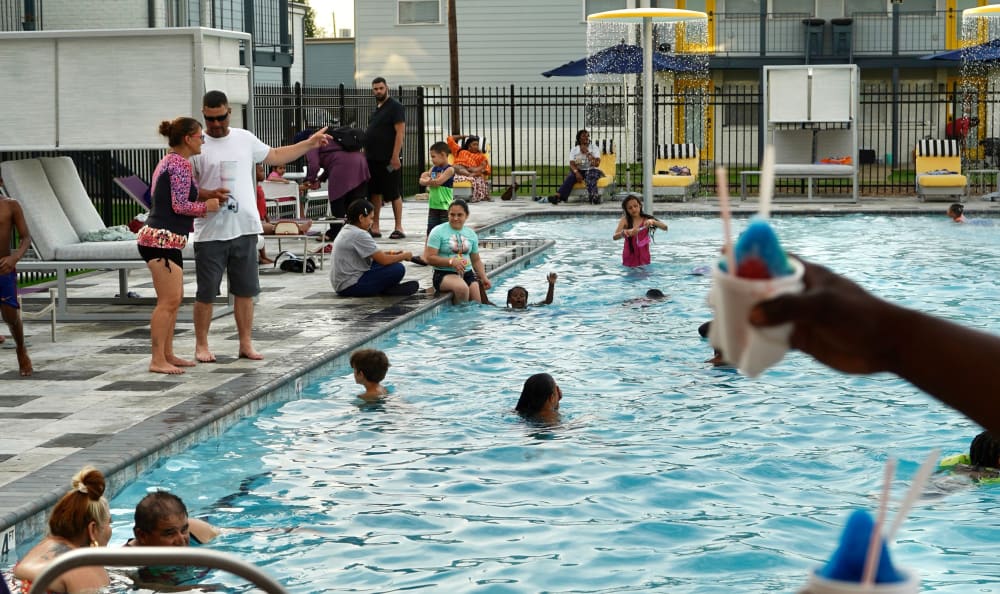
[(226, 241)]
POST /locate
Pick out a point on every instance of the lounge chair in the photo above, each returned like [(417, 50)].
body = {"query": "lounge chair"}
[(609, 165), (282, 199), (675, 174), (463, 189), (939, 170), (136, 189), (59, 213)]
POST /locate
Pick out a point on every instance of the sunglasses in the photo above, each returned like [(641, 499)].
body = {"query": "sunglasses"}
[(220, 118)]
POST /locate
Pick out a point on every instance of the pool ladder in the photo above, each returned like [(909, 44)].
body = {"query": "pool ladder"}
[(139, 556)]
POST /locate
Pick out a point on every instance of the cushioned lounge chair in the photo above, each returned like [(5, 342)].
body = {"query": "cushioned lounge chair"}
[(939, 170), (675, 174), (609, 165), (59, 213)]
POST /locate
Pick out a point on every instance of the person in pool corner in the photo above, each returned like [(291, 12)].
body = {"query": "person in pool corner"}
[(517, 297)]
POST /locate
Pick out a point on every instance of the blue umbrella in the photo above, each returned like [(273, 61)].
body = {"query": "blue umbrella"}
[(621, 59), (984, 52)]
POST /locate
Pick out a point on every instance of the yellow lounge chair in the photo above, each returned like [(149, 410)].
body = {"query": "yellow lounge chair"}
[(940, 156), (668, 183), (609, 165)]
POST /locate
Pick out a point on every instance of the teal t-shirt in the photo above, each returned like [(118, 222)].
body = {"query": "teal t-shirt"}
[(451, 242)]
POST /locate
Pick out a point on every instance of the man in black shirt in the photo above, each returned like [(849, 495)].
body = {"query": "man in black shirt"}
[(383, 143)]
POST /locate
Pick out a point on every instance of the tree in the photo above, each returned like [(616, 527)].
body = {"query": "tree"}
[(309, 23)]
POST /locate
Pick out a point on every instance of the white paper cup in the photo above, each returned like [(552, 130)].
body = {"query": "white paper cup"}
[(822, 585), (750, 349)]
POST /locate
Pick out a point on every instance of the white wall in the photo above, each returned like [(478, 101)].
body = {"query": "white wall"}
[(499, 43), (106, 14)]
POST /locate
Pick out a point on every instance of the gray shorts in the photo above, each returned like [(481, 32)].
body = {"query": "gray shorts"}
[(237, 256)]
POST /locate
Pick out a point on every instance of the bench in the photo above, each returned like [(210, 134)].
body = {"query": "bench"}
[(807, 172)]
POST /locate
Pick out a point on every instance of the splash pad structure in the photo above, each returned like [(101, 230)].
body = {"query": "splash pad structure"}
[(687, 30), (978, 79)]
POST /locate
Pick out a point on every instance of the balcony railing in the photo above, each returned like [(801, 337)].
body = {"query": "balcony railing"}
[(738, 33), (920, 32)]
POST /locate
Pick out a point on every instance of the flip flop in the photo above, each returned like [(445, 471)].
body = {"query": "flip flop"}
[(376, 235), (397, 234)]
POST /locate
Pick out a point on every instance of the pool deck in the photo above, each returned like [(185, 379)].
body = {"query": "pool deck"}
[(92, 400)]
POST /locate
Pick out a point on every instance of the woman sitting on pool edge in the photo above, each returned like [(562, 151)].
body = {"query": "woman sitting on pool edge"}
[(540, 398), (453, 251)]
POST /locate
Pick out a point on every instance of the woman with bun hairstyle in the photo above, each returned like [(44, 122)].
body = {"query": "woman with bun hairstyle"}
[(81, 518), (174, 206)]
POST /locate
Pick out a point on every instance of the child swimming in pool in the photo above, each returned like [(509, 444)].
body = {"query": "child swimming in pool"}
[(517, 297), (957, 213), (982, 461), (370, 367)]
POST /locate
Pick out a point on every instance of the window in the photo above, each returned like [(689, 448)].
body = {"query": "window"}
[(419, 12), (743, 6), (854, 6), (592, 6), (786, 6)]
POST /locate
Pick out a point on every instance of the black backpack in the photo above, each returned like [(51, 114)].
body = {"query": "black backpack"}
[(350, 139)]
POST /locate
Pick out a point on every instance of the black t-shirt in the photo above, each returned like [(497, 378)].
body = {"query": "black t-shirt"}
[(381, 134)]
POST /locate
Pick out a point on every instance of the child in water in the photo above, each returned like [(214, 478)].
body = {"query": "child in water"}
[(957, 213), (637, 228), (982, 461), (370, 367), (517, 297)]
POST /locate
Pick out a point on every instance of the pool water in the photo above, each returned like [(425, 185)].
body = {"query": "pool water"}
[(663, 473)]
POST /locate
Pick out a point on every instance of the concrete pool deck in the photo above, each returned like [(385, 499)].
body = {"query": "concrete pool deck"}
[(92, 401)]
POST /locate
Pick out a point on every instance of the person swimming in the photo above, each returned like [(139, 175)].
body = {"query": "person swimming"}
[(981, 463), (652, 296), (540, 398), (517, 297)]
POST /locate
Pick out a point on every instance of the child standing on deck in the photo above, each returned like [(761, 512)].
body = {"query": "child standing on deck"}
[(438, 181), (12, 217)]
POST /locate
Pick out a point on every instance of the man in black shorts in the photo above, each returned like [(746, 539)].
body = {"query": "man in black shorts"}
[(383, 143)]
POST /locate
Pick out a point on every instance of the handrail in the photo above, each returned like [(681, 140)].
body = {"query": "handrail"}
[(129, 556)]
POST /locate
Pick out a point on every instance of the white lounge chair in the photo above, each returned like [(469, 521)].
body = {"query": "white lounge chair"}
[(59, 212)]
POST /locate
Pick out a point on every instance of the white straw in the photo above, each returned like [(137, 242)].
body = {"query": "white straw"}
[(722, 182), (875, 542), (917, 487), (766, 182)]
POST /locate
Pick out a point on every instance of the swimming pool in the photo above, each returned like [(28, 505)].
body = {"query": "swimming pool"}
[(664, 474)]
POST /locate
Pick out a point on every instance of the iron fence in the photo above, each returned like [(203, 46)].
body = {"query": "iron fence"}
[(528, 128)]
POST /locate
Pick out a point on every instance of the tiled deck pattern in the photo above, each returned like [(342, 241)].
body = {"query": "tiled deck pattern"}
[(92, 401)]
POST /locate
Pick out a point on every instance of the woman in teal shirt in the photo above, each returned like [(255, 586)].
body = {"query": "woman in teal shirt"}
[(453, 251)]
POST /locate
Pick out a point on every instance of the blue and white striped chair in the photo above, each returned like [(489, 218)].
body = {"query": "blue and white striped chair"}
[(675, 174), (939, 170)]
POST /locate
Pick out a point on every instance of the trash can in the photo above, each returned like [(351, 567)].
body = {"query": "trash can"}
[(814, 36), (841, 29)]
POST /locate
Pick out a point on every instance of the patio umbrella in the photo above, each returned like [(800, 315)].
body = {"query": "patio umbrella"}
[(984, 52), (621, 59)]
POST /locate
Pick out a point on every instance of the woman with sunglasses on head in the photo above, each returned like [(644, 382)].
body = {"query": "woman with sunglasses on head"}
[(175, 204)]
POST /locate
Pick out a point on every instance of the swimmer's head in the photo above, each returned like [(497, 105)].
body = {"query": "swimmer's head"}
[(655, 294), (956, 210), (703, 329), (985, 450), (517, 297)]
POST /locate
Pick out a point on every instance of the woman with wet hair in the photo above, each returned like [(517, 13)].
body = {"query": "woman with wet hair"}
[(540, 397), (81, 518)]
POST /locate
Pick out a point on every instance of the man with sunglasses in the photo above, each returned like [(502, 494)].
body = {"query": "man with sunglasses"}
[(226, 241)]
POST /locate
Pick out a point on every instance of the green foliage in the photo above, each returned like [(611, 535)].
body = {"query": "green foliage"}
[(309, 23)]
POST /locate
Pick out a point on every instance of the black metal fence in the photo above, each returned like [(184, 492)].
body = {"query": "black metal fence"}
[(533, 129)]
